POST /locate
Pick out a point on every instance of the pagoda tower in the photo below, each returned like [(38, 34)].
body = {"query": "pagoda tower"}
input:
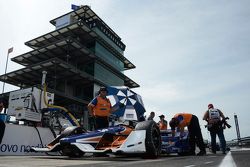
[(82, 54)]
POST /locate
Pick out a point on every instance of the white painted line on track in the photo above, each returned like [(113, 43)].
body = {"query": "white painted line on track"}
[(208, 162), (228, 161), (190, 166), (240, 149)]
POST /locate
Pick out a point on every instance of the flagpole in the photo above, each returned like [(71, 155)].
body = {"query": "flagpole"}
[(9, 51)]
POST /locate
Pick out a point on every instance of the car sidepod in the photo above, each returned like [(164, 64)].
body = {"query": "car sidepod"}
[(134, 143), (126, 141)]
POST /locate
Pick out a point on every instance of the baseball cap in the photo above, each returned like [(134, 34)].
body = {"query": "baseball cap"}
[(103, 89), (162, 116)]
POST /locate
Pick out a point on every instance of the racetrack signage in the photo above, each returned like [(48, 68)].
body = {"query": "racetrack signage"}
[(18, 139)]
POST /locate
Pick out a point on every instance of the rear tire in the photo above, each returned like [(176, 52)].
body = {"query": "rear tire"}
[(153, 138)]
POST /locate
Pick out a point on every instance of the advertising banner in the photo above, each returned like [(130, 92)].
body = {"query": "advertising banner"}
[(18, 139)]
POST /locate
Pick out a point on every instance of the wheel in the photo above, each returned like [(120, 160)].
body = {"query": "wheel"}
[(72, 151), (153, 138)]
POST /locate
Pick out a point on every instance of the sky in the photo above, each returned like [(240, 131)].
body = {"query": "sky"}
[(188, 53)]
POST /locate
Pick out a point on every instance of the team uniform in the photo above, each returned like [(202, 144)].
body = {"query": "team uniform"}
[(163, 125), (101, 111), (195, 135)]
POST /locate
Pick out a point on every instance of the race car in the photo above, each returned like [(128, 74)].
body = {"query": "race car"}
[(178, 144), (144, 139)]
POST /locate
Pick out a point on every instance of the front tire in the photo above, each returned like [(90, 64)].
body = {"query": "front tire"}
[(153, 138), (66, 148), (72, 151)]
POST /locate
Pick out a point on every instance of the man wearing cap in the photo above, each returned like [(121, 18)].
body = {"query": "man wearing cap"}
[(182, 120), (213, 117), (163, 124), (100, 108)]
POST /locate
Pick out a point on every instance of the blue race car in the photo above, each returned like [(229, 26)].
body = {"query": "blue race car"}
[(177, 144)]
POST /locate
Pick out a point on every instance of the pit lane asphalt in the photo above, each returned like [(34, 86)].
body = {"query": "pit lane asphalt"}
[(235, 158)]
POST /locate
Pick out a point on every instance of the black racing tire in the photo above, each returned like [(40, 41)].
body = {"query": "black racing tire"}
[(72, 151), (153, 138)]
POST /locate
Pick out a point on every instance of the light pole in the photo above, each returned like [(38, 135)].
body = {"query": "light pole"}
[(9, 51), (237, 129)]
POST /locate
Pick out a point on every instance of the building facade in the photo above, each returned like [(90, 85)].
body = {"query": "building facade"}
[(80, 55)]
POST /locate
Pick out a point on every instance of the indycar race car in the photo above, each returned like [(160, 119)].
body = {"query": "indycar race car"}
[(143, 139)]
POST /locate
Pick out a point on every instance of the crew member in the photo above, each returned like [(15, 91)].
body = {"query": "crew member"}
[(182, 120), (2, 124), (213, 117), (151, 116), (163, 124), (100, 108)]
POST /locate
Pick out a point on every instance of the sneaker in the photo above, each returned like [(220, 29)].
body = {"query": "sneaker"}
[(201, 153)]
